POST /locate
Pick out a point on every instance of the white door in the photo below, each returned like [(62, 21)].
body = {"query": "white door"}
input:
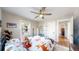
[(68, 28)]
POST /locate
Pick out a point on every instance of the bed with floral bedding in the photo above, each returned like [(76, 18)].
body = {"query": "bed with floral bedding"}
[(38, 44)]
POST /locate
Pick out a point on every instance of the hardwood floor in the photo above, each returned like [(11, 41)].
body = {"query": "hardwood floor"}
[(63, 41)]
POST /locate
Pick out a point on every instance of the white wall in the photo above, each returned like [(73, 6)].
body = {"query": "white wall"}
[(31, 25), (34, 25), (8, 17), (48, 28)]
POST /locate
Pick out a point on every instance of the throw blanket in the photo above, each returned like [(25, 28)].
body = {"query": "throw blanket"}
[(41, 44), (14, 45), (37, 44)]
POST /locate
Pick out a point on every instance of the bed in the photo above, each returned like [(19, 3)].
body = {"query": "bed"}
[(38, 44)]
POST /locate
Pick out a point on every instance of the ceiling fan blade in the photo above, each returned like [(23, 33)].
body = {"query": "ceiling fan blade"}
[(36, 17), (42, 10), (47, 14), (34, 12)]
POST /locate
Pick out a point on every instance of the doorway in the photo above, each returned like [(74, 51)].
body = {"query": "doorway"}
[(62, 32), (65, 31)]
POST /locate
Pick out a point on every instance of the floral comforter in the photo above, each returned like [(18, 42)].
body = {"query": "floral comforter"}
[(38, 44)]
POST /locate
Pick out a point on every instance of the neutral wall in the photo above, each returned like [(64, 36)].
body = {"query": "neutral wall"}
[(9, 17), (31, 25), (48, 28)]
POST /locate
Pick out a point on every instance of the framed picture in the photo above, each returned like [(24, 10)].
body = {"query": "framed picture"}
[(11, 25), (26, 28)]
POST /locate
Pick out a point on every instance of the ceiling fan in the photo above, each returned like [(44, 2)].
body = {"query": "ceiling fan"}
[(42, 12)]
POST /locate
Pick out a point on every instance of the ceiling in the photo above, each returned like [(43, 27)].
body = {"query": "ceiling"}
[(57, 12)]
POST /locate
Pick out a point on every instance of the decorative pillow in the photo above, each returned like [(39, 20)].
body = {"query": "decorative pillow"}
[(43, 47), (27, 45)]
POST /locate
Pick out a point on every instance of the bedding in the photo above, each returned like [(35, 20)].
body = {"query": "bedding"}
[(14, 45), (41, 44), (38, 44)]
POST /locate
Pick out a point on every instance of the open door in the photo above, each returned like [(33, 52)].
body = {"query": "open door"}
[(65, 28)]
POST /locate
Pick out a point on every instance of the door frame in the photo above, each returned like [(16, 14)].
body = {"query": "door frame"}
[(70, 21)]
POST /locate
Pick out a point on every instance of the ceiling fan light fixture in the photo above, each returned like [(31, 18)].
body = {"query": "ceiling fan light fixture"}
[(41, 13), (41, 16)]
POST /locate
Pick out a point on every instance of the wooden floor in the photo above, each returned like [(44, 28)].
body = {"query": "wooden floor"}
[(63, 41)]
